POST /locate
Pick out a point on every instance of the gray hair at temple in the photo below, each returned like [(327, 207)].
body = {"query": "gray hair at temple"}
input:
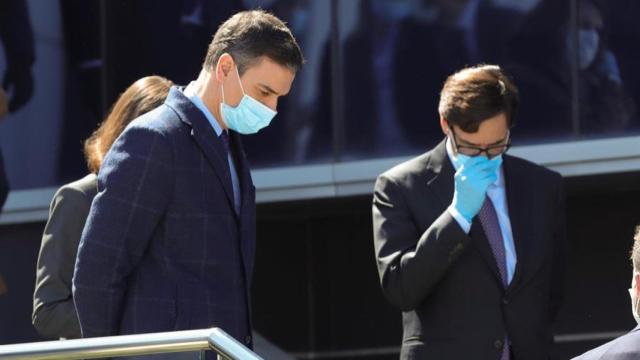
[(635, 252)]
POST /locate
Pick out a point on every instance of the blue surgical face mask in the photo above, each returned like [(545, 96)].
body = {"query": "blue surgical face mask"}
[(588, 45), (249, 116), (460, 159)]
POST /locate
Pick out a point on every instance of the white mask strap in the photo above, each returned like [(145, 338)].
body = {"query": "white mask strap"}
[(240, 81)]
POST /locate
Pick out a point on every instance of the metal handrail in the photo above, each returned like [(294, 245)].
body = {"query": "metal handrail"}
[(129, 345)]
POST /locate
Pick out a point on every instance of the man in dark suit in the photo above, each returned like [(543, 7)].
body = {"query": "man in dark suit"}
[(626, 347), (170, 238), (470, 242)]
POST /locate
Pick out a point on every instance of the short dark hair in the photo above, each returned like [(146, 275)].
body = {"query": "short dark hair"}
[(249, 35), (475, 94), (635, 251)]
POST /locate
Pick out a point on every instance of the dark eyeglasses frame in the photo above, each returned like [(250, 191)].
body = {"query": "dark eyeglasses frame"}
[(480, 150)]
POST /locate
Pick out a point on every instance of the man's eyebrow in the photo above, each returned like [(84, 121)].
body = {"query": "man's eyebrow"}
[(268, 89), (476, 145)]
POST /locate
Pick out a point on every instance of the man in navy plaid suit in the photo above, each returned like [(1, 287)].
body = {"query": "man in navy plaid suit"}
[(170, 239)]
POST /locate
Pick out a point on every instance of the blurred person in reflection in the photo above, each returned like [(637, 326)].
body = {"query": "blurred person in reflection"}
[(54, 314), (169, 242), (17, 40), (16, 90), (438, 38), (541, 57), (626, 347), (469, 241), (605, 105)]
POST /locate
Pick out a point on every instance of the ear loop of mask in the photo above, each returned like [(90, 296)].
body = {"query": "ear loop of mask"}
[(239, 81)]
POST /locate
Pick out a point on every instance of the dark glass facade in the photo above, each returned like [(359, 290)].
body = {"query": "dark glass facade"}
[(369, 90), (370, 86)]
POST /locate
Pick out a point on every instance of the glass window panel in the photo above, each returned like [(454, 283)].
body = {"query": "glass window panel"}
[(32, 59), (607, 63), (302, 130), (397, 55), (539, 61)]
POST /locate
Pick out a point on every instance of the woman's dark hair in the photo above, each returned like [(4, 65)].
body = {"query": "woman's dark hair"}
[(141, 97)]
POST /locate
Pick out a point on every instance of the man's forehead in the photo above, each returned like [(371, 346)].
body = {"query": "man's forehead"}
[(271, 75)]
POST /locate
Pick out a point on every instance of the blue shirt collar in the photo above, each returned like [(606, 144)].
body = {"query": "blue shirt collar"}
[(190, 93)]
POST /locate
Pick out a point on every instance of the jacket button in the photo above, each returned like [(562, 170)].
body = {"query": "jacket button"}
[(498, 344), (247, 340)]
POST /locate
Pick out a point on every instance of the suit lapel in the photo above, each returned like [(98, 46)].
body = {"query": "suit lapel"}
[(205, 136), (442, 183), (441, 173)]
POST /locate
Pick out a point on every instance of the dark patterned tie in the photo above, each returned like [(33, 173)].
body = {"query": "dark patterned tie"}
[(489, 221), (224, 136), (225, 141)]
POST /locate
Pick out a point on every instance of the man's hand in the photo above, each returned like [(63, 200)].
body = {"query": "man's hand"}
[(471, 183)]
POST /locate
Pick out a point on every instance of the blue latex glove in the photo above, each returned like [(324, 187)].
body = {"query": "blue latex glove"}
[(471, 183)]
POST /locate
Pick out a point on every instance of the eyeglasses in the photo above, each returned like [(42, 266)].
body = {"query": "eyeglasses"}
[(491, 151)]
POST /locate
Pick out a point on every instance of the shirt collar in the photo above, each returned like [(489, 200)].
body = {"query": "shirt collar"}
[(190, 93), (498, 183)]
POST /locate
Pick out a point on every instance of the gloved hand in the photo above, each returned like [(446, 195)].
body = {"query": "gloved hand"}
[(18, 82), (471, 183)]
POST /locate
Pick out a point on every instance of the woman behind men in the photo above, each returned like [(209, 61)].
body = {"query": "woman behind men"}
[(54, 314)]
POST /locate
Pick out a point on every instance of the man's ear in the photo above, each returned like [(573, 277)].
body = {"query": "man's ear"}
[(223, 67), (636, 279), (444, 124)]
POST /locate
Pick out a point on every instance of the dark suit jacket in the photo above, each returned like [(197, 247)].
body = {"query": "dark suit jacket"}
[(163, 248), (447, 282), (4, 183), (626, 347), (54, 314)]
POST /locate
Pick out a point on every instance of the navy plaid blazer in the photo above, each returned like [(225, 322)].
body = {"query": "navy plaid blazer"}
[(163, 248)]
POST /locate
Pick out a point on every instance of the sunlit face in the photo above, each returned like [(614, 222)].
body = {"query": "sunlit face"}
[(266, 81), (492, 136)]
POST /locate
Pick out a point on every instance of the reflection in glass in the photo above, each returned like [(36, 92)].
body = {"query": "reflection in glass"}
[(537, 60), (32, 56), (398, 57), (302, 130), (605, 106)]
